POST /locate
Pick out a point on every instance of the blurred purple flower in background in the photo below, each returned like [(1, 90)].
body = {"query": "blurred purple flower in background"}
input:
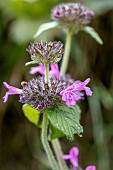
[(72, 15), (38, 69), (73, 157), (54, 70)]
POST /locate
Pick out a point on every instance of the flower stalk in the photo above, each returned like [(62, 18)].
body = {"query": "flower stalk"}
[(65, 60), (46, 73), (59, 154), (45, 143)]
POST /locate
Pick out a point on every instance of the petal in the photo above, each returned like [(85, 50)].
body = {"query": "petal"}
[(6, 85), (5, 98), (90, 168), (38, 69), (88, 91), (33, 70), (70, 102), (86, 81), (54, 66), (54, 70)]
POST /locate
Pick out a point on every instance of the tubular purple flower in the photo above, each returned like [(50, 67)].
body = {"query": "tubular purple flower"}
[(11, 91), (54, 71), (73, 156), (74, 92), (90, 167)]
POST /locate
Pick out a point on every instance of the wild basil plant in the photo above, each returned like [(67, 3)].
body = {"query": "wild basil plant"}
[(52, 96)]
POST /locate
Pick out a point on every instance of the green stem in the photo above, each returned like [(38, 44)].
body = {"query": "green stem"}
[(65, 61), (46, 73), (46, 144), (59, 154)]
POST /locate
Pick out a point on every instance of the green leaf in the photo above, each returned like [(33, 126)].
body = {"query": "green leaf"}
[(31, 114), (66, 119), (93, 34), (45, 26), (54, 132)]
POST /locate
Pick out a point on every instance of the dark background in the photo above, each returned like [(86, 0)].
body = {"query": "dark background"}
[(20, 146)]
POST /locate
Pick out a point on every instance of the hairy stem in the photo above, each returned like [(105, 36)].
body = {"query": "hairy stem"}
[(65, 60), (45, 143), (46, 73), (58, 152)]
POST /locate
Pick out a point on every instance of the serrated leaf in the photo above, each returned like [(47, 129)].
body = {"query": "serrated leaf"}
[(66, 119), (31, 114), (45, 27), (93, 34)]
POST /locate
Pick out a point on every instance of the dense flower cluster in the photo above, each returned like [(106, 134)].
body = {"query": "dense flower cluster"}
[(46, 52), (73, 157), (39, 94), (72, 15)]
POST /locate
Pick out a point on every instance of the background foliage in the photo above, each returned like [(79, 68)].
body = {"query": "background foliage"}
[(20, 146)]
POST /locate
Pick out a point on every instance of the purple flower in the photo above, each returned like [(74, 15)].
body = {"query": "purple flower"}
[(54, 71), (73, 156), (40, 69), (90, 168), (11, 91), (74, 92)]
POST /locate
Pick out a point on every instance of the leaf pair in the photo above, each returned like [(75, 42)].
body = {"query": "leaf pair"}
[(64, 120), (54, 24)]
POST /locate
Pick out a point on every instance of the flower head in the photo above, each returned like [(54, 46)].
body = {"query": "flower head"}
[(72, 15), (39, 94), (74, 92), (11, 91), (45, 52)]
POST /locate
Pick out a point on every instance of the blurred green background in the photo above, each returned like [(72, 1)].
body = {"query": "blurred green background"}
[(20, 146)]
